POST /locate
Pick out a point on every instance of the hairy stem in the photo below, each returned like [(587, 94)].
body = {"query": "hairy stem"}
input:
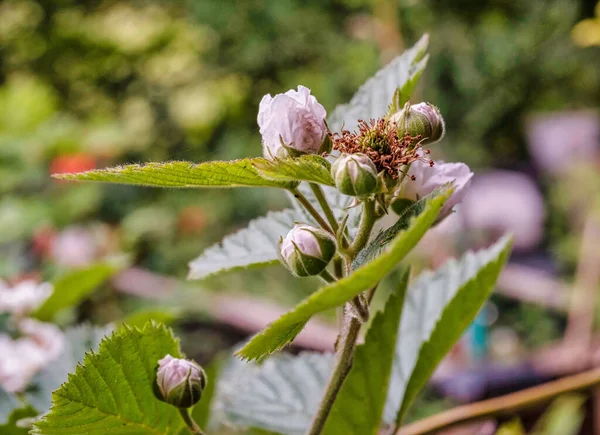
[(504, 405), (190, 423), (365, 228), (346, 343), (313, 211), (343, 364), (325, 206)]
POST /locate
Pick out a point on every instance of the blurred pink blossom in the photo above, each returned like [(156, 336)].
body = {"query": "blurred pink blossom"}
[(23, 357), (23, 297), (505, 201), (558, 139), (74, 247)]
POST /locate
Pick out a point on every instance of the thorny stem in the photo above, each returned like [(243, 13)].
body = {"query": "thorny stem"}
[(313, 212), (190, 423), (325, 206), (503, 405)]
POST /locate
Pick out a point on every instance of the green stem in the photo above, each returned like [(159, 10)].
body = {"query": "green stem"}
[(340, 371), (190, 423), (313, 211), (325, 206), (367, 221)]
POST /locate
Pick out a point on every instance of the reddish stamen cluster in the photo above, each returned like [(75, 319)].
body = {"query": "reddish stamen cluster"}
[(380, 141)]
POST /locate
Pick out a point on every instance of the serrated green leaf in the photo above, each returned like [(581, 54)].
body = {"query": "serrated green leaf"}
[(235, 173), (112, 391), (73, 287), (78, 340), (280, 395), (386, 236), (358, 406), (8, 403), (254, 246), (311, 168), (439, 306), (372, 99), (284, 330)]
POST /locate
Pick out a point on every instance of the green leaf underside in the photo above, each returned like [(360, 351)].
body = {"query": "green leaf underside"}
[(311, 168), (439, 307), (283, 330), (112, 391), (8, 403), (254, 246), (372, 99), (564, 416), (359, 405), (235, 173), (280, 395), (78, 341), (72, 288)]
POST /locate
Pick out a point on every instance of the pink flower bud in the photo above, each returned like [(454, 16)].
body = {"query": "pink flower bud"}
[(291, 121), (180, 381), (306, 250)]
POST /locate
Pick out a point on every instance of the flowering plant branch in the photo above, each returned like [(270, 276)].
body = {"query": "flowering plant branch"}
[(344, 173)]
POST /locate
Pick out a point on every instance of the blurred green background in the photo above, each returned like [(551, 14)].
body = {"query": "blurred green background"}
[(89, 84)]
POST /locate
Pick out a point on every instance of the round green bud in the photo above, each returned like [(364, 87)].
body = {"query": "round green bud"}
[(180, 382), (354, 174), (421, 119), (307, 250)]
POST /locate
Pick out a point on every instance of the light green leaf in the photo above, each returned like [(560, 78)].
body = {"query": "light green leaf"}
[(311, 168), (359, 404), (439, 306), (112, 391), (280, 395), (254, 246), (78, 341), (74, 287), (8, 403), (373, 98), (235, 173), (284, 330)]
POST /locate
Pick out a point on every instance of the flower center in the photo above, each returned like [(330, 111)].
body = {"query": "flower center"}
[(379, 140)]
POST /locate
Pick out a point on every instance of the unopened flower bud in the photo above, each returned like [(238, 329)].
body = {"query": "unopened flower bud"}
[(354, 174), (180, 381), (421, 119), (306, 250)]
